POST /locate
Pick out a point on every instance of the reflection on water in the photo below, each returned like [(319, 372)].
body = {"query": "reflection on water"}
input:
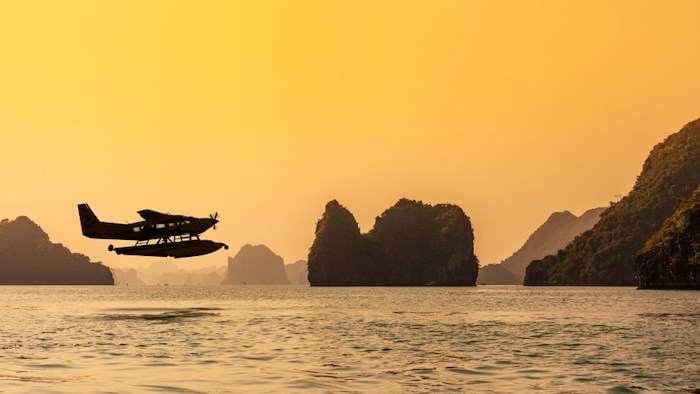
[(294, 339), (164, 315)]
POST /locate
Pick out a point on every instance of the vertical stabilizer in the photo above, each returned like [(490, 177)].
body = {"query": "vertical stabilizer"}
[(87, 217)]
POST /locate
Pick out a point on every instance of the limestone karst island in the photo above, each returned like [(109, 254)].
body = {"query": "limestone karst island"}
[(28, 257), (411, 244)]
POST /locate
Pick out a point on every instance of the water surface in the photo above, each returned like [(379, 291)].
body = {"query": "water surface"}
[(301, 339)]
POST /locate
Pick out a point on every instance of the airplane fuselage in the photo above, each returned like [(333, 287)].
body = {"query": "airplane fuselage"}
[(149, 229), (156, 225)]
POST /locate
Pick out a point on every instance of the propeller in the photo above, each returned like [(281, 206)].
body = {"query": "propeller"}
[(213, 217)]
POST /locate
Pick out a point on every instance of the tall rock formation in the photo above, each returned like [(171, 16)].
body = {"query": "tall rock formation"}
[(553, 235), (28, 257), (411, 244), (255, 265), (671, 258), (297, 273), (605, 255), (340, 254), (420, 244)]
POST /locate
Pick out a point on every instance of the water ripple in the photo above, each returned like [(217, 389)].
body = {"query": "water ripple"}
[(300, 339)]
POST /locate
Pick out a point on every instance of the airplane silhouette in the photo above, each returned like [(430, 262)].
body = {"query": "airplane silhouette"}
[(159, 234)]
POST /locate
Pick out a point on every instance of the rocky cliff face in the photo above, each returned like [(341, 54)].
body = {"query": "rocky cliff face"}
[(28, 257), (671, 258), (553, 235), (297, 273), (340, 255), (606, 254), (255, 265), (411, 244)]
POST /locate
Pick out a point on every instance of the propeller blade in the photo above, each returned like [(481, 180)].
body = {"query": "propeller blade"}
[(213, 217)]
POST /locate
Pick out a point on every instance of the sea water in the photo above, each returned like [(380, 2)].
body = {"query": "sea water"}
[(63, 339)]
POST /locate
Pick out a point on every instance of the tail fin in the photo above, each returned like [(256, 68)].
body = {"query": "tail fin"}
[(87, 217)]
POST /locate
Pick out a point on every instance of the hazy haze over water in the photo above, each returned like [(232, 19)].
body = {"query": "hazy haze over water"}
[(294, 339)]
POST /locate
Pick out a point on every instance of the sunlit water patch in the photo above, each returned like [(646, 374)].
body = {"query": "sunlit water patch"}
[(300, 339)]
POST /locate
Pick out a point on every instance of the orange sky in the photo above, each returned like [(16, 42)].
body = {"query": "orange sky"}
[(265, 110)]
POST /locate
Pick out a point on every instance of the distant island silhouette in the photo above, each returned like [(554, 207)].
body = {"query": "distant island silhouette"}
[(606, 254), (255, 265), (166, 272), (297, 272), (411, 244), (28, 257), (126, 277), (554, 234), (250, 268)]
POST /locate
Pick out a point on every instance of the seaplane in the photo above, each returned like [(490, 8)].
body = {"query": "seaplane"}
[(159, 234)]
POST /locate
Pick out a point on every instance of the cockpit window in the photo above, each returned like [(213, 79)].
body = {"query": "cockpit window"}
[(137, 229)]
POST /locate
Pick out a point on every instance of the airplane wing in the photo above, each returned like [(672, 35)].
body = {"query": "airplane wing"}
[(148, 214)]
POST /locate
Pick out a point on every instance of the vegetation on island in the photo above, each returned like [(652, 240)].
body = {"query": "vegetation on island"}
[(671, 258), (606, 254), (411, 244), (553, 235)]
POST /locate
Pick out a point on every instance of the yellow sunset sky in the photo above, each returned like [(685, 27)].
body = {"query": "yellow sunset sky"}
[(265, 110)]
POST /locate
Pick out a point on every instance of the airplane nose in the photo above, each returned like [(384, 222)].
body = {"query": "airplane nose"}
[(213, 217)]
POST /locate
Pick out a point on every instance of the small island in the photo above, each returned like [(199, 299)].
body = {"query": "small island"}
[(411, 244), (255, 265), (28, 257)]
